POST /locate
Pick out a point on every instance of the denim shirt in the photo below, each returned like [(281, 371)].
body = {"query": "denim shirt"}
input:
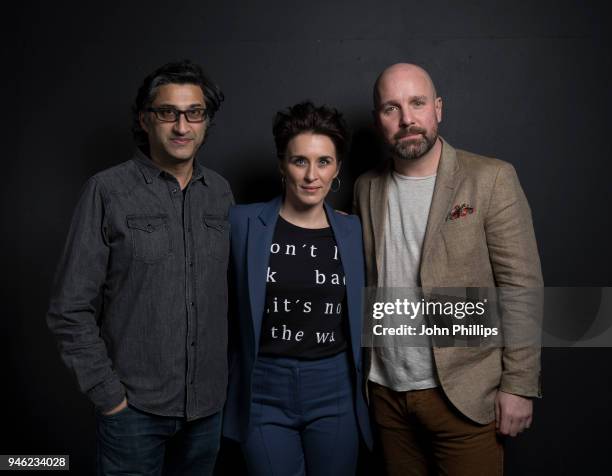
[(139, 303)]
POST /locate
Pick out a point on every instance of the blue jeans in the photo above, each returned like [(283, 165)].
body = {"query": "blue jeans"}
[(302, 418), (138, 443)]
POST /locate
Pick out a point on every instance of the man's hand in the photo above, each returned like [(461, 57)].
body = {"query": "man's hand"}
[(118, 408), (513, 413)]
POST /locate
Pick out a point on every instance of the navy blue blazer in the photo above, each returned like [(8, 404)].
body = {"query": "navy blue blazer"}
[(252, 231)]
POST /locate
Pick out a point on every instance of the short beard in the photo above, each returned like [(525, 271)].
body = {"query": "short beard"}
[(414, 149)]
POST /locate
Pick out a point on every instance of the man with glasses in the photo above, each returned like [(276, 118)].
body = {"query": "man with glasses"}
[(138, 308)]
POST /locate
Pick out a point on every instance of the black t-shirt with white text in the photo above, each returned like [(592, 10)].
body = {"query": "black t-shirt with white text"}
[(305, 295)]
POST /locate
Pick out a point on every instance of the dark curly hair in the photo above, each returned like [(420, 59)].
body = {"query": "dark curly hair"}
[(179, 72), (306, 117)]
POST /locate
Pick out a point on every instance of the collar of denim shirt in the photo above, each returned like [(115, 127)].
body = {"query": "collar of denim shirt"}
[(150, 170)]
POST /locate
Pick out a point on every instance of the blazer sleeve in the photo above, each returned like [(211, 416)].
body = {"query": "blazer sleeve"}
[(516, 266)]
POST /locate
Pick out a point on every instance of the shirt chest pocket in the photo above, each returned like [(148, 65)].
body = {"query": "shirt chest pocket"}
[(150, 237), (216, 229)]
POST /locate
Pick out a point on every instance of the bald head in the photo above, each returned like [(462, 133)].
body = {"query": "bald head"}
[(407, 111), (403, 73)]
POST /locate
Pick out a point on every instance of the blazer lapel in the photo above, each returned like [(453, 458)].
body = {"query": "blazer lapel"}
[(446, 181), (378, 213), (260, 235)]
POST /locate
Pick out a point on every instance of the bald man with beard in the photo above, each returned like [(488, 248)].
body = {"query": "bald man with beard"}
[(434, 216)]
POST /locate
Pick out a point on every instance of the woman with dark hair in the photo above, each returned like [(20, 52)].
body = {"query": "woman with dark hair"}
[(295, 397)]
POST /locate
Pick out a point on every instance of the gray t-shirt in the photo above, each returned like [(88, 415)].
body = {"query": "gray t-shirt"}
[(409, 198)]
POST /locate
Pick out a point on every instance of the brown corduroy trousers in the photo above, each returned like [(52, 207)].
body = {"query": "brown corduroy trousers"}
[(422, 434)]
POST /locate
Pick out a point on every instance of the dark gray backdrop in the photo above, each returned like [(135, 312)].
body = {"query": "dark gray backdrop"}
[(524, 81)]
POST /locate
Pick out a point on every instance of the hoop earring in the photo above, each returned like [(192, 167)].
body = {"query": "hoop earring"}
[(332, 185), (283, 181)]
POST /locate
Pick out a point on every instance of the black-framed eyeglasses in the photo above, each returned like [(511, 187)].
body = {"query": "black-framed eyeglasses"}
[(171, 114)]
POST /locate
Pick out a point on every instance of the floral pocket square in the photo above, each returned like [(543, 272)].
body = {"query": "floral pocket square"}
[(459, 211)]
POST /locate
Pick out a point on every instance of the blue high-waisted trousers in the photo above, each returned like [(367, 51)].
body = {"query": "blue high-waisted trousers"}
[(302, 418)]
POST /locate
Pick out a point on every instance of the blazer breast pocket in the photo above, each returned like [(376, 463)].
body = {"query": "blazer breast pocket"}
[(216, 229), (150, 237), (463, 240)]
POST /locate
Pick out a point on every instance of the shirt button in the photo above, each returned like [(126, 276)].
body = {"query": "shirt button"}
[(193, 344), (192, 303), (191, 264), (174, 190)]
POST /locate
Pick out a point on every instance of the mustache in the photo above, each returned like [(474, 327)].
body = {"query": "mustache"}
[(408, 132)]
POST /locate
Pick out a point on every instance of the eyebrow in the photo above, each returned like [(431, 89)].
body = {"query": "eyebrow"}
[(306, 157), (191, 106), (393, 102)]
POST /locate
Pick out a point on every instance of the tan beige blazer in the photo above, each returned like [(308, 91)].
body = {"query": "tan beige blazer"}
[(493, 246)]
